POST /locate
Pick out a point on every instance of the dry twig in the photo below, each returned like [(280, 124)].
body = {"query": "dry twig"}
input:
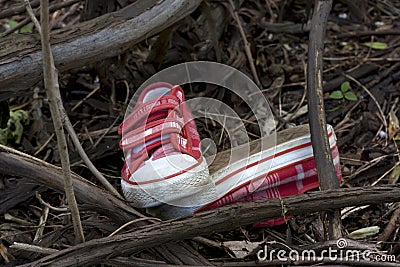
[(52, 87), (84, 156), (25, 21), (33, 248), (382, 115), (246, 43), (71, 131), (392, 225)]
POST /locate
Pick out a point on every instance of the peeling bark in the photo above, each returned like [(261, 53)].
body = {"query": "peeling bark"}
[(86, 42)]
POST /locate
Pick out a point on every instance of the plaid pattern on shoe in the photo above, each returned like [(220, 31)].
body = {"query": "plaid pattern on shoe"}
[(292, 172)]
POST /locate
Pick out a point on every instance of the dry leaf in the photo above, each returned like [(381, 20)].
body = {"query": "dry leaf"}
[(364, 232), (394, 175), (241, 249), (394, 126), (4, 253)]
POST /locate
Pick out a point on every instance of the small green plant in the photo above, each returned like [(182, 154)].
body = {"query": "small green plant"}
[(24, 29), (15, 127), (344, 93)]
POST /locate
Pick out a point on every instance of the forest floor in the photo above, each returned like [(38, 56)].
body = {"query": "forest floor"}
[(361, 93)]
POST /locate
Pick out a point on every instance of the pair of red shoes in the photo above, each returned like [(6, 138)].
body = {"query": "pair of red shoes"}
[(165, 171)]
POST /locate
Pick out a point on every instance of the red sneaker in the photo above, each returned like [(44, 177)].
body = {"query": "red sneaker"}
[(163, 160), (286, 169), (165, 171)]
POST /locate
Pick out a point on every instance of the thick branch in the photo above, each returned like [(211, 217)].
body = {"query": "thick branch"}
[(319, 136), (17, 9), (15, 163), (87, 42), (18, 164), (222, 219)]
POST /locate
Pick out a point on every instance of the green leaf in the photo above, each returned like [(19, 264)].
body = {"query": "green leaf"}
[(350, 96), (12, 23), (18, 119), (26, 28), (345, 86), (376, 45), (337, 95), (15, 127)]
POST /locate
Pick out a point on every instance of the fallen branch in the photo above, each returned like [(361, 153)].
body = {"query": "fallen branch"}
[(86, 42), (18, 164), (33, 248), (53, 92), (63, 116), (17, 9), (319, 136), (91, 197), (221, 219)]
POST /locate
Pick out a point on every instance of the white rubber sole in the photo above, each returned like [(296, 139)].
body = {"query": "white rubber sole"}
[(171, 190)]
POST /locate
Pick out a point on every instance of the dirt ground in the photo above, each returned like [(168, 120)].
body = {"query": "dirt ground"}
[(361, 93)]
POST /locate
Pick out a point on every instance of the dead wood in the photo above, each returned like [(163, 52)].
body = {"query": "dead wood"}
[(14, 163), (17, 9), (286, 27), (222, 219), (53, 92), (392, 225), (18, 164), (319, 136), (17, 192), (360, 71), (86, 42)]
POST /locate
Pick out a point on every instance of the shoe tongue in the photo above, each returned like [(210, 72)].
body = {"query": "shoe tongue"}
[(155, 93), (165, 150)]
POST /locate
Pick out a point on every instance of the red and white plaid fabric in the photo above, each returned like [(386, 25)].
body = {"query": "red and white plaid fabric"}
[(167, 115), (163, 160), (292, 179)]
